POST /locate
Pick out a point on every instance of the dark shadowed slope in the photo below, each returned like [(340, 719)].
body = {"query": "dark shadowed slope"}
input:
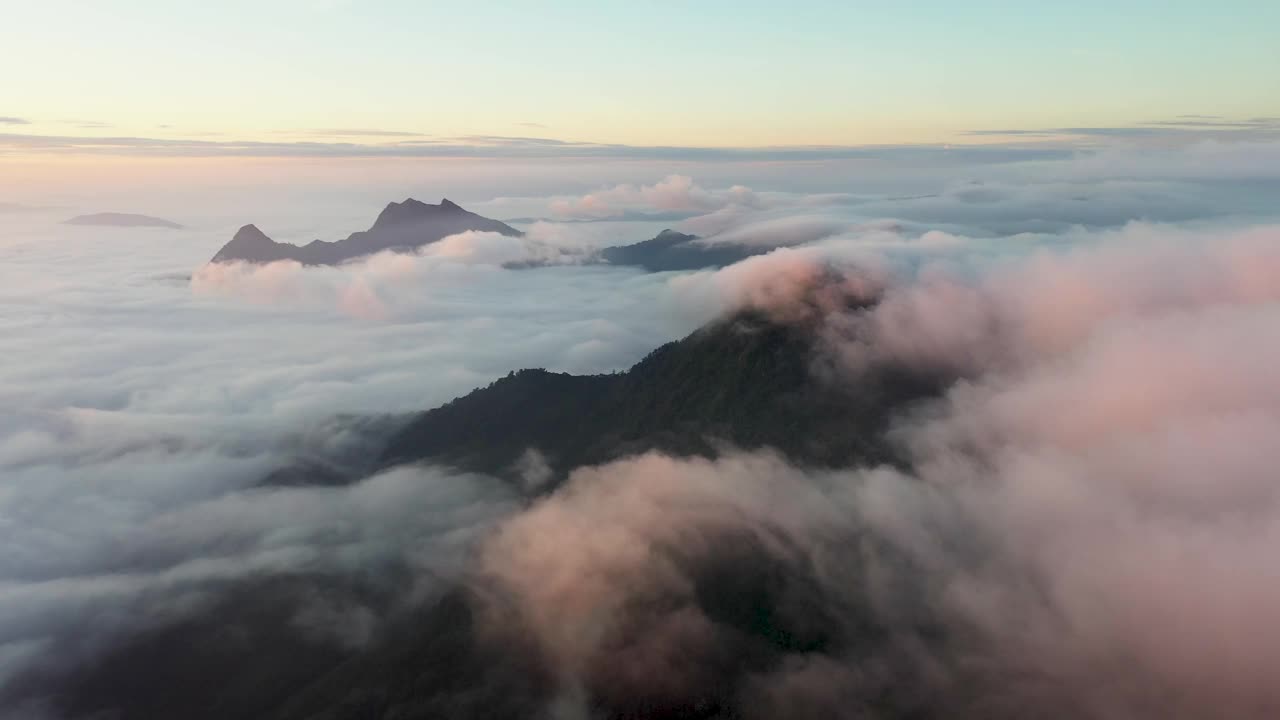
[(463, 654), (111, 219), (402, 226), (670, 250), (745, 381)]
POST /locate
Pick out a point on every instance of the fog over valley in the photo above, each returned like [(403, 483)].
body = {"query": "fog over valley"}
[(923, 433)]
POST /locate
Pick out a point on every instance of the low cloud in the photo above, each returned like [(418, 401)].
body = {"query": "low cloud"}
[(1209, 159), (136, 545), (132, 452), (1181, 128), (386, 285), (362, 132), (673, 194), (985, 208), (502, 147), (1083, 525), (1102, 475), (780, 232), (1045, 303)]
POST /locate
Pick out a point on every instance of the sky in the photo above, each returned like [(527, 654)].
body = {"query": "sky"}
[(707, 75)]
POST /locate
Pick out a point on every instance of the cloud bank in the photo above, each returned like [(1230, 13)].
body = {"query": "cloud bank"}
[(1084, 530), (134, 451), (1083, 527), (673, 194)]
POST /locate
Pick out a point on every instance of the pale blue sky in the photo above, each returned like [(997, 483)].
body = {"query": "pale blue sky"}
[(711, 73)]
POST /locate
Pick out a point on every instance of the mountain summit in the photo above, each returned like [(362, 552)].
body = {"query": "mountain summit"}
[(671, 250), (398, 214), (400, 227), (744, 381)]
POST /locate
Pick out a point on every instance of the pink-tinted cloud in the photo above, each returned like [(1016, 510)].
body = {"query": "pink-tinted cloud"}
[(1035, 307), (1088, 519)]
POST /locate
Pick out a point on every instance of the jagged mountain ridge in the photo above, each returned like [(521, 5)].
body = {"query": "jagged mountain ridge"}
[(745, 381), (400, 227)]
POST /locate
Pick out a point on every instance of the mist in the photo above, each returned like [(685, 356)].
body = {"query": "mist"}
[(1090, 507), (1082, 525)]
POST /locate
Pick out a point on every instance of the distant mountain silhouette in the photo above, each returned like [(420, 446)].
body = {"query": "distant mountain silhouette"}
[(121, 220), (401, 227), (671, 250)]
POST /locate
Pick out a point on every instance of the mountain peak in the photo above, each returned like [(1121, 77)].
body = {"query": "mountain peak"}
[(401, 226), (747, 379), (250, 243), (250, 233), (412, 211)]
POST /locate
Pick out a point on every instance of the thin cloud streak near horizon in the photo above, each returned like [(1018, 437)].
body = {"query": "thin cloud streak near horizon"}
[(1001, 144)]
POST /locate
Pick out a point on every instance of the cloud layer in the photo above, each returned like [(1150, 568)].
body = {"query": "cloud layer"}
[(1085, 525), (1085, 528), (132, 448)]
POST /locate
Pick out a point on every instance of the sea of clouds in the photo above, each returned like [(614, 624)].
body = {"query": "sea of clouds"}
[(1091, 510)]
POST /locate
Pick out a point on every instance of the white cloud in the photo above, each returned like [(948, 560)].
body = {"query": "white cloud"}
[(127, 449), (1102, 473), (674, 193)]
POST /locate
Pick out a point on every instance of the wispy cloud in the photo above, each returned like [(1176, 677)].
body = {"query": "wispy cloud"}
[(361, 132), (495, 146), (1261, 123), (10, 120), (1181, 127)]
